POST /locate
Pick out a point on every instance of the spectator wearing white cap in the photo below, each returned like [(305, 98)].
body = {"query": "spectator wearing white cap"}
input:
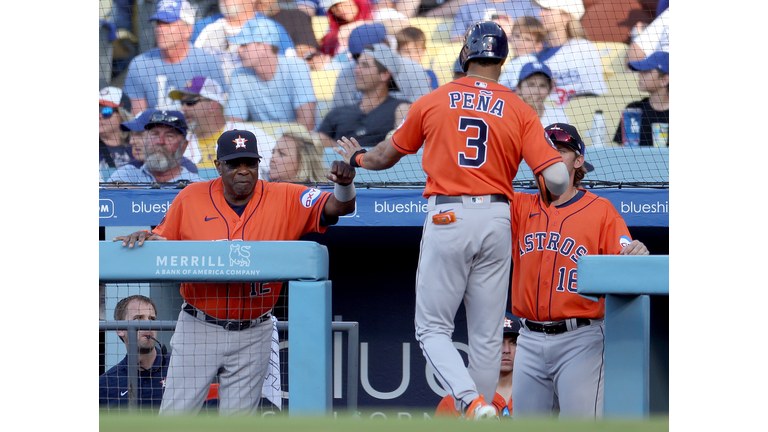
[(114, 146), (490, 10), (234, 15), (377, 113), (534, 86), (203, 103), (575, 62), (153, 74), (269, 87)]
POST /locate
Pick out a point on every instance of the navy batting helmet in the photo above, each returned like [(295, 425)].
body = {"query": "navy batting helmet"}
[(484, 39)]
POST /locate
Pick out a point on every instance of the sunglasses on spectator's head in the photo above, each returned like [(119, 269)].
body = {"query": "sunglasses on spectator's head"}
[(106, 111), (191, 102), (563, 137), (248, 162)]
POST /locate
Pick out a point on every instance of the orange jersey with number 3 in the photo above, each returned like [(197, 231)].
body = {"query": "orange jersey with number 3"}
[(475, 134), (546, 245), (277, 211)]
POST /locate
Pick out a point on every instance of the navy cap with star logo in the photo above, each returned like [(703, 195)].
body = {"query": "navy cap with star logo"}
[(235, 144), (511, 323)]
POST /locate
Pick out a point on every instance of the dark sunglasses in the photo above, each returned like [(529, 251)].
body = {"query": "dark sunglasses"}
[(236, 163), (160, 117), (191, 102), (106, 112)]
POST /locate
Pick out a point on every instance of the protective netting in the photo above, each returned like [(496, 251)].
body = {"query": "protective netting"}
[(141, 65)]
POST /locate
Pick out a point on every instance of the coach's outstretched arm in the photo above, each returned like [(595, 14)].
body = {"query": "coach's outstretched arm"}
[(342, 202), (138, 236), (381, 157)]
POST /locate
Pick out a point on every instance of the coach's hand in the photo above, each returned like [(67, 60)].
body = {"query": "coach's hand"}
[(341, 173), (348, 148), (634, 248), (138, 236)]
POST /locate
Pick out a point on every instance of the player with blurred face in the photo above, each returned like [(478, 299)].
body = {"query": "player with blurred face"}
[(139, 310)]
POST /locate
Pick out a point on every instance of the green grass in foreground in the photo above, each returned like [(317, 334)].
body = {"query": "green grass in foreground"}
[(146, 422)]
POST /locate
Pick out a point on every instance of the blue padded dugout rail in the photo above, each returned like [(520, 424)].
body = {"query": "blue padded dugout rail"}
[(303, 264), (627, 282)]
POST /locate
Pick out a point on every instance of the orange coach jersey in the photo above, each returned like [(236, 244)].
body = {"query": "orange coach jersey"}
[(474, 134), (546, 245), (277, 211), (447, 407)]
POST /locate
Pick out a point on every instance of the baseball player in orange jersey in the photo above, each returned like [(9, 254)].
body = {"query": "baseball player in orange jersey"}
[(475, 132), (225, 329), (559, 358), (502, 400)]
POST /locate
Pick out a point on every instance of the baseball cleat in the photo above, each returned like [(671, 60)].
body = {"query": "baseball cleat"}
[(479, 410)]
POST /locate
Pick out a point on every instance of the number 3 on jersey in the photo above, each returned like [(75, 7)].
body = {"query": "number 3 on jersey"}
[(479, 141)]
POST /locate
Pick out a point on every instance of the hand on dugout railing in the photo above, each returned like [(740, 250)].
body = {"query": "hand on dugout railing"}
[(634, 248), (138, 236), (341, 173), (348, 148)]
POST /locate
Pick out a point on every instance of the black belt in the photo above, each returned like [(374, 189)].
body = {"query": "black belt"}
[(555, 327), (226, 324), (446, 199)]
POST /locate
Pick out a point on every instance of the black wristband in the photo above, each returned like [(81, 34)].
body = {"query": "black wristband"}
[(352, 160)]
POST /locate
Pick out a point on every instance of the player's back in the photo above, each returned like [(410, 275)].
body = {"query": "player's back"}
[(474, 134)]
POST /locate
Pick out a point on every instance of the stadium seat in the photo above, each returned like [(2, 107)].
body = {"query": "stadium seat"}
[(324, 83), (443, 55), (320, 26), (580, 112), (612, 55), (624, 85), (435, 29)]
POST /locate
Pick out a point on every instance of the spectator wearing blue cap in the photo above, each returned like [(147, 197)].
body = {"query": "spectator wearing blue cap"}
[(138, 134), (412, 79), (269, 87), (534, 85), (155, 73), (234, 15), (164, 148), (654, 110)]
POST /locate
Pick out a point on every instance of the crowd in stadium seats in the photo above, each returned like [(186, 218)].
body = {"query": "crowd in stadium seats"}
[(271, 63)]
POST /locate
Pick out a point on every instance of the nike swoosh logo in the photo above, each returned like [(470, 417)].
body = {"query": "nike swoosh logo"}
[(208, 219), (534, 214), (124, 393)]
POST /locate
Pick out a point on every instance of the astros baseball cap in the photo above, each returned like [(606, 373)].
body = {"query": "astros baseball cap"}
[(532, 68), (138, 123), (208, 88), (257, 30), (658, 60), (174, 119), (114, 97), (511, 324), (236, 143), (367, 34), (573, 7), (170, 11), (568, 135)]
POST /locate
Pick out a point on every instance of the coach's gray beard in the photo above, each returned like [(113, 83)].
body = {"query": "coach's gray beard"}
[(158, 160)]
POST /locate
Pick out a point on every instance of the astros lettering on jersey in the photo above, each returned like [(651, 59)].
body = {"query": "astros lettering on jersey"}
[(546, 245)]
